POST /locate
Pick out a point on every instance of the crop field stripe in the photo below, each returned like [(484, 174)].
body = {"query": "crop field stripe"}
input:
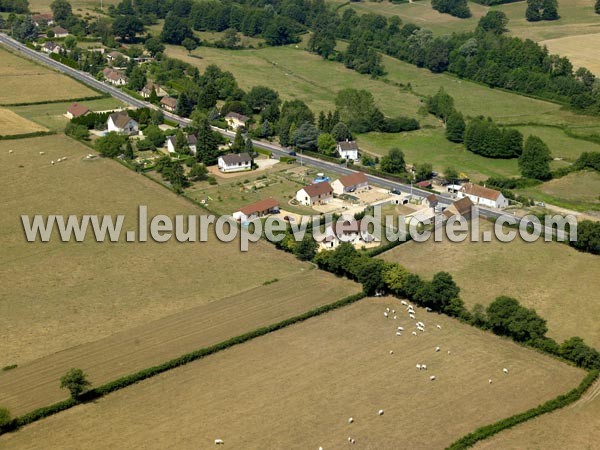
[(552, 405), (141, 375)]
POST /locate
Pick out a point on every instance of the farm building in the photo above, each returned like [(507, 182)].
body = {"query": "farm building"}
[(348, 150), (462, 207), (481, 195), (120, 122), (350, 183), (315, 194), (43, 20), (76, 110), (60, 32), (168, 103), (424, 184), (146, 91), (235, 162), (115, 77), (191, 139), (257, 209), (235, 120)]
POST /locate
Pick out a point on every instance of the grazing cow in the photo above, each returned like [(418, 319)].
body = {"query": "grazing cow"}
[(219, 442), (432, 378), (505, 370), (437, 349)]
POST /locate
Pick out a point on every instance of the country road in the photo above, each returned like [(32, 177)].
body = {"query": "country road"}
[(277, 150)]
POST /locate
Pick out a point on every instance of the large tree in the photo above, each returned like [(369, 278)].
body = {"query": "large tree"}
[(494, 21), (175, 30), (75, 380), (393, 162), (455, 127), (305, 137), (126, 27), (534, 162), (61, 10), (207, 145)]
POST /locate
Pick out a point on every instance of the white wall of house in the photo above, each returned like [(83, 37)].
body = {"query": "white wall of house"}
[(234, 167), (500, 202), (348, 154)]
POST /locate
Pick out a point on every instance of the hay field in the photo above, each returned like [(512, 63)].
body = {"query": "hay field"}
[(296, 389), (35, 384), (580, 49), (78, 5), (57, 295), (11, 124), (576, 426), (556, 280), (24, 81)]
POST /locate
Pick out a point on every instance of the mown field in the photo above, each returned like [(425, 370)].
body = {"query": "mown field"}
[(51, 115), (24, 81), (556, 280), (296, 389), (78, 6), (581, 49), (55, 296), (11, 124), (35, 384), (573, 427), (578, 191)]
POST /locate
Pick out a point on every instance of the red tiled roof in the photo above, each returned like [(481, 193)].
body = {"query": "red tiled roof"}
[(353, 179), (316, 189), (480, 191), (77, 110), (260, 206)]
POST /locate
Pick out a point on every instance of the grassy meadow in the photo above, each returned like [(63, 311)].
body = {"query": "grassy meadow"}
[(297, 387), (11, 124), (102, 288), (24, 81), (551, 277)]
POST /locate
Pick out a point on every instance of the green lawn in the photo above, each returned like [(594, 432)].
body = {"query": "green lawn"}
[(431, 146), (51, 116), (578, 191)]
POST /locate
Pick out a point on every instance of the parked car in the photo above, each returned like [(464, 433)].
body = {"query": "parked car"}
[(395, 191), (292, 153)]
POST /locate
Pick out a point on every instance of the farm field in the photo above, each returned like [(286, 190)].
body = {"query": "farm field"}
[(24, 81), (35, 384), (11, 124), (297, 74), (51, 115), (580, 49), (573, 427), (98, 289), (78, 5), (561, 145), (418, 12), (311, 377), (579, 191), (431, 146), (553, 278)]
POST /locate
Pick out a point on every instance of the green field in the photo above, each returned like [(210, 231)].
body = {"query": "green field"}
[(578, 191), (561, 145), (51, 115)]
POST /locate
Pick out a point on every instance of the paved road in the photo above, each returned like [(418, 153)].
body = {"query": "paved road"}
[(277, 150)]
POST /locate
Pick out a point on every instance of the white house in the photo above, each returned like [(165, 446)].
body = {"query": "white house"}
[(344, 230), (315, 194), (60, 32), (120, 122), (348, 150), (115, 77), (146, 91), (235, 120), (43, 20), (481, 195), (350, 183), (258, 209), (51, 47), (192, 140), (235, 162), (168, 103)]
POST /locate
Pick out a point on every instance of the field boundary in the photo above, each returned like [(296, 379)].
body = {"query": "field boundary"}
[(123, 382), (33, 134), (67, 100), (551, 405)]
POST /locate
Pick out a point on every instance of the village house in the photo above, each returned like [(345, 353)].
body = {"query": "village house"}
[(43, 20), (348, 150), (121, 123), (481, 195), (258, 209), (60, 32), (425, 184), (146, 91), (235, 120), (462, 207), (114, 56), (234, 162), (192, 140), (168, 103), (348, 230), (431, 201), (51, 47), (315, 194), (115, 77), (76, 110), (354, 182)]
